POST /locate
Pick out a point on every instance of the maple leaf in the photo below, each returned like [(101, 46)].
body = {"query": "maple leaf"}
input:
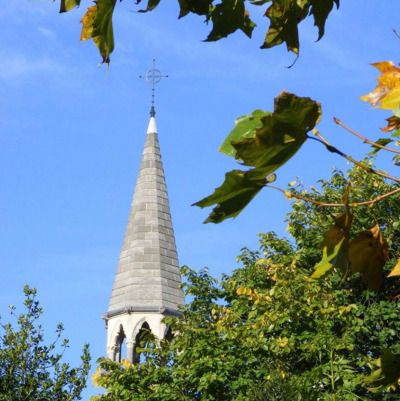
[(387, 93), (367, 255), (266, 144), (97, 25)]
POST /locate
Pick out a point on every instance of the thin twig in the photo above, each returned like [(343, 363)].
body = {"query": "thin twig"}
[(365, 140), (323, 204), (364, 166)]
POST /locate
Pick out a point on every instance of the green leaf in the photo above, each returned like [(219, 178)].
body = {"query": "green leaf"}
[(232, 196), (333, 254), (335, 244), (281, 136), (227, 17), (67, 5), (103, 34), (245, 127), (396, 134), (396, 112), (151, 5), (194, 6), (286, 15), (97, 25), (283, 27), (381, 141), (388, 373), (276, 141), (321, 9)]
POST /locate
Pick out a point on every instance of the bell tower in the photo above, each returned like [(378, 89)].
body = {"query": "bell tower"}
[(147, 282)]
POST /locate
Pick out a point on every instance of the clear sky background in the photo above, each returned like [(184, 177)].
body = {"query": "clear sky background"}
[(72, 134)]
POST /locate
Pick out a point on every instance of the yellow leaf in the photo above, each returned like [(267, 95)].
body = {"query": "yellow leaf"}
[(288, 195), (97, 25), (268, 377), (241, 290), (96, 376), (292, 183), (126, 363), (283, 343), (396, 270), (248, 291), (387, 93), (87, 22), (367, 255)]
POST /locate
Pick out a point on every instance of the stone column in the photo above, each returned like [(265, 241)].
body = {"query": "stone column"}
[(130, 350), (111, 352)]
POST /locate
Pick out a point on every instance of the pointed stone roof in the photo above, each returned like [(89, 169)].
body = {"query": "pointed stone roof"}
[(148, 275)]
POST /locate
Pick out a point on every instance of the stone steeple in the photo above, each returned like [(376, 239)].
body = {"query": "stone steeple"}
[(147, 282)]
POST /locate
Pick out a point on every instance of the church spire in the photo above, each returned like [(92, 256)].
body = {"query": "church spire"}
[(147, 282)]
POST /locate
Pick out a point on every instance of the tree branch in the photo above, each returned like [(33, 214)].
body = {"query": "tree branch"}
[(365, 140), (323, 204), (364, 166)]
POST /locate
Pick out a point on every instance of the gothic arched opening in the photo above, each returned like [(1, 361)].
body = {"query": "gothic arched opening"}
[(140, 342), (120, 352), (169, 336)]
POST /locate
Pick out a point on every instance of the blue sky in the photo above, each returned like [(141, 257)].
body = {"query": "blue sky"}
[(72, 134)]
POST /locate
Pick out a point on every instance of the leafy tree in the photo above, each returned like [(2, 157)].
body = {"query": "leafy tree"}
[(268, 332), (31, 370)]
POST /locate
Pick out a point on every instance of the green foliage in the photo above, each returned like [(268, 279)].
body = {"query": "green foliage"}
[(226, 16), (245, 127), (388, 373), (67, 5), (31, 370), (97, 25), (267, 333), (285, 17), (232, 196), (266, 143)]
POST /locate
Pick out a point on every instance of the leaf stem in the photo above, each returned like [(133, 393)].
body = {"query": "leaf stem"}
[(365, 140), (323, 204)]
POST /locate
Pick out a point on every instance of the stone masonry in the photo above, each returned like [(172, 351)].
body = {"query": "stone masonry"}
[(148, 276)]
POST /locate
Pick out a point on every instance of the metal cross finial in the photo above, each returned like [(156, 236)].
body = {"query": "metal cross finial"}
[(153, 77)]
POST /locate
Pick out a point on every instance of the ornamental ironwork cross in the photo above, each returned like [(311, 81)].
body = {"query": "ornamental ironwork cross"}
[(153, 77)]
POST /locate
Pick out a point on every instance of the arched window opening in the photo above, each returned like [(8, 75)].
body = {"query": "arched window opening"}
[(120, 353), (140, 342), (169, 336)]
